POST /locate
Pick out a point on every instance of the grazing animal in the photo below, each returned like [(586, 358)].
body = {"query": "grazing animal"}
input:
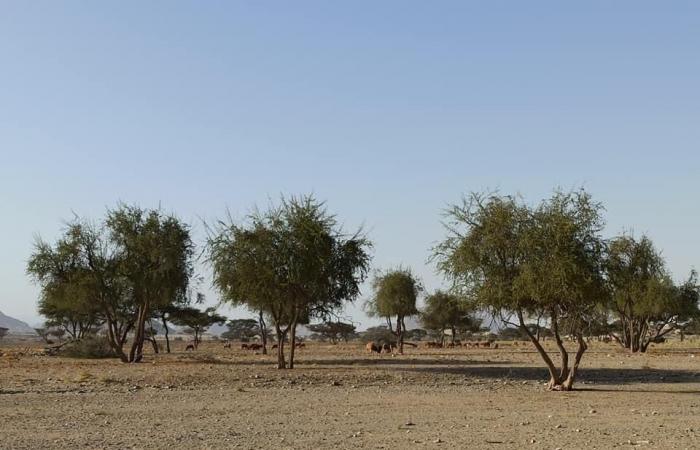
[(371, 347), (433, 344), (254, 346), (227, 345), (387, 348), (495, 345), (299, 345), (486, 344), (189, 347), (244, 346)]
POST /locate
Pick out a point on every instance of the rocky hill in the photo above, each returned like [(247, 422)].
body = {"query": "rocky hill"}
[(15, 326)]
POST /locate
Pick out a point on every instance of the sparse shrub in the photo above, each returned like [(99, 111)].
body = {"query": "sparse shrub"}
[(91, 347)]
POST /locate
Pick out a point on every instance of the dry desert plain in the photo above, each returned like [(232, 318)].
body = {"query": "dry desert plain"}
[(338, 396)]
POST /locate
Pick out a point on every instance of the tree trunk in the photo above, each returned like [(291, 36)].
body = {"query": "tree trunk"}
[(452, 329), (136, 353), (281, 363), (114, 342), (167, 339), (292, 344), (155, 345), (263, 332), (564, 372), (582, 346), (399, 333), (554, 379)]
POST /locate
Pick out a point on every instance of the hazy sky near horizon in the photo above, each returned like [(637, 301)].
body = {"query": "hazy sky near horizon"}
[(387, 110)]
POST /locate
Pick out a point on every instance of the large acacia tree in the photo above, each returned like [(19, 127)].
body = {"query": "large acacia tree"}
[(291, 262), (135, 262), (395, 295), (645, 299), (79, 272), (521, 262), (155, 258)]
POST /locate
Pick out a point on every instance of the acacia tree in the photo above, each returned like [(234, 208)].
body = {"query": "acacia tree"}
[(67, 295), (291, 262), (83, 261), (520, 262), (395, 294), (155, 258), (134, 263), (196, 320), (445, 311), (644, 298), (242, 329), (333, 330)]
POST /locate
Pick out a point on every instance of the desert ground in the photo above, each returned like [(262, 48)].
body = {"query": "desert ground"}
[(338, 396)]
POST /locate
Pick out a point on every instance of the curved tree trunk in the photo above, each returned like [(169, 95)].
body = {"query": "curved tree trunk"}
[(167, 339), (115, 341), (554, 379), (564, 370), (136, 353), (567, 385)]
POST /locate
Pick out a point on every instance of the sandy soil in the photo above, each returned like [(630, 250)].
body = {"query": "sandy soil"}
[(341, 397)]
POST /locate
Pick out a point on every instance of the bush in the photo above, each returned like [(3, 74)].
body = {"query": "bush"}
[(91, 347)]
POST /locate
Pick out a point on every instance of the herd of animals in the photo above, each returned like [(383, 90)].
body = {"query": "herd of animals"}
[(379, 347), (373, 347)]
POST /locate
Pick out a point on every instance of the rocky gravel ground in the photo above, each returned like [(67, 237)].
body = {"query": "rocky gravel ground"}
[(341, 397)]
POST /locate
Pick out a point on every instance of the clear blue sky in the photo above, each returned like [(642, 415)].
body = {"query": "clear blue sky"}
[(388, 110)]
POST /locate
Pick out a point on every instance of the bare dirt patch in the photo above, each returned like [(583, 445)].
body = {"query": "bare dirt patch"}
[(341, 397)]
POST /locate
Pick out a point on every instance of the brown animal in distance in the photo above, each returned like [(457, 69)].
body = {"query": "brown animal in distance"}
[(371, 347)]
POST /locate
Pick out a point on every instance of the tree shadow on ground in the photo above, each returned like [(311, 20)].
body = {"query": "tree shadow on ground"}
[(598, 375), (380, 361)]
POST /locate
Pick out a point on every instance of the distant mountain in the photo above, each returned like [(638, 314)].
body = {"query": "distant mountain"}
[(15, 326)]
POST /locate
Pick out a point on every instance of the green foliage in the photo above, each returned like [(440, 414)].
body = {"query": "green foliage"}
[(445, 311), (381, 334), (115, 274), (292, 262), (518, 261), (644, 298), (395, 294), (68, 288), (197, 321), (242, 329), (333, 331), (155, 252), (416, 334)]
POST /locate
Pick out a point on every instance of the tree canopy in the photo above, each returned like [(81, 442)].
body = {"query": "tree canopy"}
[(518, 262), (644, 298), (396, 292), (444, 311), (292, 262)]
